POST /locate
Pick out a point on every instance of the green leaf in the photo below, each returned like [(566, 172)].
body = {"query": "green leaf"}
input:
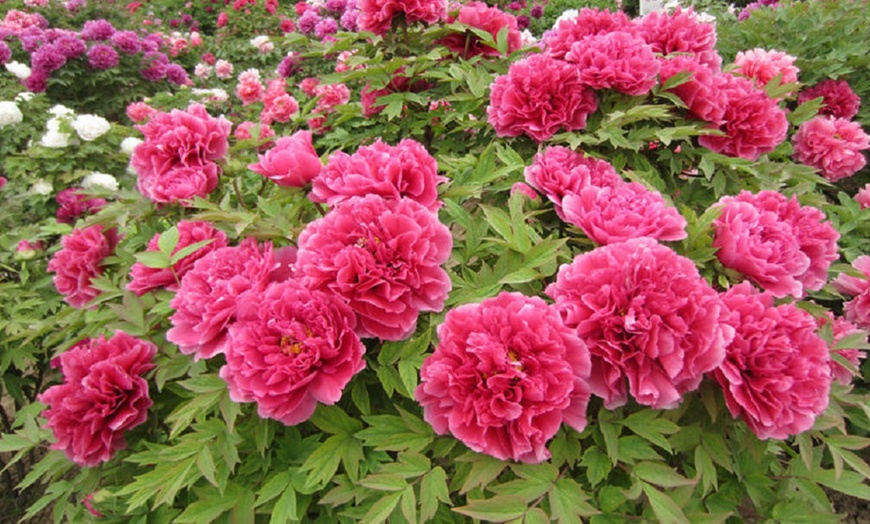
[(167, 241), (205, 463), (536, 516), (285, 507), (273, 487), (205, 511), (664, 507), (646, 424), (322, 464), (189, 250), (483, 470), (568, 502), (384, 482), (597, 464), (381, 509), (392, 433), (335, 421), (154, 259), (409, 505), (433, 489), (661, 474), (500, 508)]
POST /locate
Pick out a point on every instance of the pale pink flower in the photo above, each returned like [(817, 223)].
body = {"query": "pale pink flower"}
[(762, 66), (223, 69), (139, 112), (863, 196), (504, 376)]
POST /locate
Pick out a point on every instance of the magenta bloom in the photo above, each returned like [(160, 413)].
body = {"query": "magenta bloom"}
[(207, 300), (832, 145), (103, 395), (698, 92), (588, 22), (839, 99), (752, 122), (144, 279), (762, 66), (678, 33), (647, 316), (292, 161), (80, 261), (776, 375), (559, 171), (376, 16), (618, 60), (383, 257), (505, 374), (405, 170), (538, 97), (101, 56), (490, 19), (177, 160), (291, 348), (780, 245), (73, 203), (619, 212), (856, 310)]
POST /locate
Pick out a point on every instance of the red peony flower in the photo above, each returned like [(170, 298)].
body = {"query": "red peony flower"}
[(376, 16), (588, 22), (290, 349), (647, 316), (680, 32), (839, 99), (102, 396), (780, 245), (831, 145), (490, 19), (176, 162), (207, 300), (752, 122), (559, 171), (505, 374), (762, 66), (292, 162), (80, 261), (776, 374), (144, 279), (405, 170), (617, 60), (73, 203), (628, 210), (538, 97), (383, 257)]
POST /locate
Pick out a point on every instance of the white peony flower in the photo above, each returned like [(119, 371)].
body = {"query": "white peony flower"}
[(103, 180), (528, 38), (24, 96), (54, 139), (128, 145), (21, 71), (202, 71), (9, 114), (41, 187), (568, 14), (91, 127), (262, 43)]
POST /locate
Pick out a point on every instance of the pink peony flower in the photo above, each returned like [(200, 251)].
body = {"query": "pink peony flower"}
[(139, 112), (559, 171), (223, 69), (842, 329), (176, 162), (330, 96), (249, 89), (281, 109), (73, 203), (647, 316), (290, 349), (617, 60), (856, 310), (525, 190), (680, 32), (206, 302), (699, 91), (752, 122), (588, 22), (619, 212), (762, 66), (505, 374), (144, 279), (405, 170), (292, 162), (831, 145), (539, 96), (839, 99), (376, 16), (383, 257), (863, 196), (80, 261), (490, 19), (102, 396), (776, 374), (780, 245)]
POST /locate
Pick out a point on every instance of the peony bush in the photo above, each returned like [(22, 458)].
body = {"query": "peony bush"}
[(410, 261)]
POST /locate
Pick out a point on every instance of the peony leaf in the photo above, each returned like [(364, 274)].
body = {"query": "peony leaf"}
[(664, 507), (168, 240), (661, 474), (285, 508), (272, 488), (568, 502), (433, 490), (154, 259), (188, 250), (597, 464), (380, 510), (409, 505), (500, 508)]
